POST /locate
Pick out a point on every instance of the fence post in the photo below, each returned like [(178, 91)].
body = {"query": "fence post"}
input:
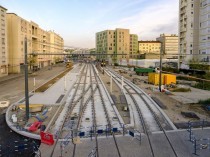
[(195, 147)]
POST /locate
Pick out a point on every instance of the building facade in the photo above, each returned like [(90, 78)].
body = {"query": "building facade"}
[(134, 46), (3, 43), (38, 41), (190, 26), (56, 46), (149, 49), (169, 45), (204, 32), (116, 43)]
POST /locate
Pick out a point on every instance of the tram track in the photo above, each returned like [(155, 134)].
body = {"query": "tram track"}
[(159, 120), (107, 115)]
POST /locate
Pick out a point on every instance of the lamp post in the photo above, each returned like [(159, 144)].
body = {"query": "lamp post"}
[(26, 82)]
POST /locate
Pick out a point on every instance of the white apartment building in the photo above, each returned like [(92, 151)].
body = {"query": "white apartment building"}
[(194, 30), (188, 30), (204, 35), (3, 43)]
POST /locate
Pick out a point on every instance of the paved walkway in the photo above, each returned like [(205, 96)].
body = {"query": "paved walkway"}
[(131, 147)]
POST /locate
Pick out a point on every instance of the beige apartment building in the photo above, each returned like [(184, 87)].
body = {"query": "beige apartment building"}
[(149, 49), (169, 45), (3, 43), (114, 42), (56, 46), (38, 41)]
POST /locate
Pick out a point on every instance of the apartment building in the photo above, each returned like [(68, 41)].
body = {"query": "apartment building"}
[(189, 26), (38, 41), (169, 45), (204, 32), (114, 42), (3, 43), (149, 49), (57, 43), (134, 46)]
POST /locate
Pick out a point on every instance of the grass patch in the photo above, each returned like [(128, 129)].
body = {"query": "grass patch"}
[(48, 84), (204, 102), (181, 90)]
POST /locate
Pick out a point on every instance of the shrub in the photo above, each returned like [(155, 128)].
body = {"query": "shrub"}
[(116, 64)]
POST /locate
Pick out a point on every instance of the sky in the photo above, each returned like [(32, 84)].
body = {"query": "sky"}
[(77, 21)]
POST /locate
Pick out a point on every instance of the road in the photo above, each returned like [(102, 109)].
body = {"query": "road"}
[(13, 90)]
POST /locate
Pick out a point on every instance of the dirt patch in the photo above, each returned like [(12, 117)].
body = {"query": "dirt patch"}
[(48, 84)]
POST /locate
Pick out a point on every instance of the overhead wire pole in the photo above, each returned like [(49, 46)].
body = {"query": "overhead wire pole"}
[(160, 73), (26, 82)]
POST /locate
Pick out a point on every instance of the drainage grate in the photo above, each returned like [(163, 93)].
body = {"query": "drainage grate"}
[(60, 98)]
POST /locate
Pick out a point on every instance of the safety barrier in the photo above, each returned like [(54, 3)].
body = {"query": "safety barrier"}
[(198, 144)]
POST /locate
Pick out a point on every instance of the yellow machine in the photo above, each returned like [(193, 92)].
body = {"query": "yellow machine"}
[(153, 78), (69, 64)]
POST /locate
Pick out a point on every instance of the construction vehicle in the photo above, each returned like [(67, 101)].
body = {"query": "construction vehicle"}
[(143, 71), (69, 64)]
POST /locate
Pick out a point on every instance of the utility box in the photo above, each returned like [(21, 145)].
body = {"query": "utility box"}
[(168, 79), (153, 78)]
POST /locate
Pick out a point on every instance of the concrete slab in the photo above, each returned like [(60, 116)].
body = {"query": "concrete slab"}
[(130, 146), (52, 94)]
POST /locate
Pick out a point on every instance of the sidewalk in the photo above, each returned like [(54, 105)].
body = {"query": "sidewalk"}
[(10, 77), (15, 76)]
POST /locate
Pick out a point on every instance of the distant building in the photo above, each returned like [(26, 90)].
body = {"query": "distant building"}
[(3, 43), (38, 41), (133, 46), (169, 45), (114, 42), (149, 49)]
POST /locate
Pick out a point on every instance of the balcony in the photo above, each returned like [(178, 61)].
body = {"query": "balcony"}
[(183, 11), (183, 4), (183, 29)]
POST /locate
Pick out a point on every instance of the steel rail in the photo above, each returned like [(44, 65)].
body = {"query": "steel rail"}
[(94, 111), (80, 76), (80, 109), (154, 115), (106, 113)]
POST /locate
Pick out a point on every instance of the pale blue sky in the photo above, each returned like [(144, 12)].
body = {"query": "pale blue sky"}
[(77, 21)]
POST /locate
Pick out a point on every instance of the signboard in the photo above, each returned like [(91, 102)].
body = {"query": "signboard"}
[(131, 133), (114, 129), (81, 134), (100, 131)]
